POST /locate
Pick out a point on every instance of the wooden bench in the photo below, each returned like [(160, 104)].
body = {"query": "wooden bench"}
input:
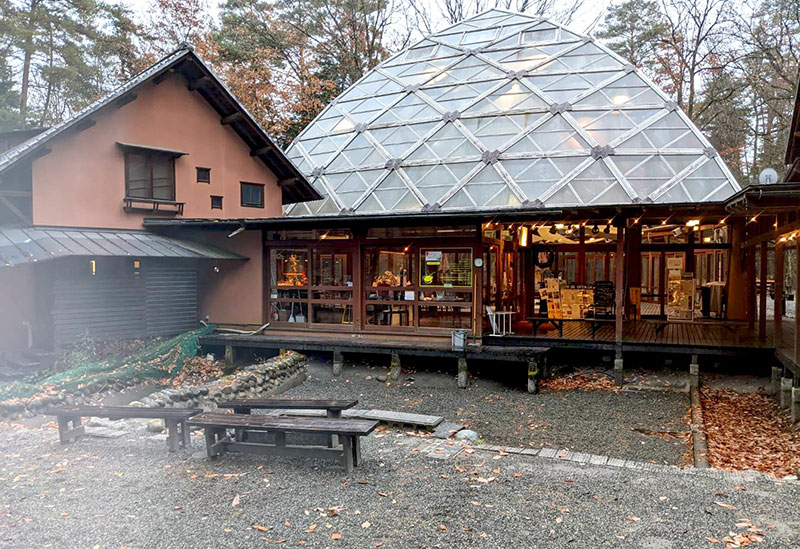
[(349, 431), (70, 428)]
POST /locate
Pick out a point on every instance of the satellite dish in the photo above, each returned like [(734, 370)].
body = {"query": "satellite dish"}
[(768, 176)]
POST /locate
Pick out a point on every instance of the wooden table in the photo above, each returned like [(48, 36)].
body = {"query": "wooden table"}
[(333, 408), (348, 430)]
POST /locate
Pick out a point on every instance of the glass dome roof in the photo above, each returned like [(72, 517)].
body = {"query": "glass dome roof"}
[(504, 110)]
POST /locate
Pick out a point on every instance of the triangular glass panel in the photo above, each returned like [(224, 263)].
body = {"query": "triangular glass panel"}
[(398, 139), (630, 90), (322, 149), (512, 29), (419, 72), (488, 189), (434, 181), (371, 204), (565, 196), (469, 68), (644, 173), (374, 83), (444, 145), (512, 96), (455, 98), (479, 36), (393, 192), (299, 160), (409, 109), (704, 180), (426, 49), (603, 126), (327, 206), (547, 32), (359, 152), (614, 194), (525, 58), (563, 87), (593, 181), (535, 176), (363, 110), (459, 200), (675, 194), (723, 193), (554, 135), (494, 131), (672, 132), (350, 186)]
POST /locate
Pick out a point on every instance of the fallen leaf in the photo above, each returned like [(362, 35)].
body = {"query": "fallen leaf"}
[(336, 536), (259, 528), (235, 501), (725, 505), (442, 527), (366, 524), (287, 523), (311, 528)]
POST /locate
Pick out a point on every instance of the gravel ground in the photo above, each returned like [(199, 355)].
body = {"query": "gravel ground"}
[(129, 492), (617, 424)]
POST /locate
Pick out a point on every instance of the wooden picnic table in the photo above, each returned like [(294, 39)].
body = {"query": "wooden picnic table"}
[(348, 431), (333, 408)]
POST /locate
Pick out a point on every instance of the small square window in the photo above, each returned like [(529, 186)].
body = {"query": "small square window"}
[(203, 175), (216, 202), (253, 195)]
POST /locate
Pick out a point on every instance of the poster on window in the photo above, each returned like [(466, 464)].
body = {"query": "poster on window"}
[(433, 257)]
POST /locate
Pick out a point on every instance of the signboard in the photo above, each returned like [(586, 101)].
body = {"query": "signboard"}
[(433, 257), (603, 298)]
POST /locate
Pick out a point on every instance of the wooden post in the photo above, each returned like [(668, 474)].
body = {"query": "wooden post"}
[(394, 367), (338, 362), (779, 274), (737, 286), (797, 316), (762, 294), (462, 379), (633, 261), (581, 267), (619, 272), (751, 287), (229, 355)]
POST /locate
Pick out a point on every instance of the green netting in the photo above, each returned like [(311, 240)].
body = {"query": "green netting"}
[(162, 360)]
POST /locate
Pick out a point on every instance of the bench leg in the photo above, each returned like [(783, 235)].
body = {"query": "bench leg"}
[(186, 441), (347, 453), (172, 435), (280, 439), (67, 434), (357, 451), (211, 440), (334, 441)]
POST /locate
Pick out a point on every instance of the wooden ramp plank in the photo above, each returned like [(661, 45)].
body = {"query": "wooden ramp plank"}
[(384, 416)]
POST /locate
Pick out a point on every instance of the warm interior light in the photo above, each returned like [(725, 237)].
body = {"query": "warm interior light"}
[(693, 223), (595, 229), (523, 236), (93, 265), (559, 225), (783, 239), (707, 239), (620, 99)]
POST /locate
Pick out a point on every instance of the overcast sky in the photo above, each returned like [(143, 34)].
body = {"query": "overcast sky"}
[(585, 17)]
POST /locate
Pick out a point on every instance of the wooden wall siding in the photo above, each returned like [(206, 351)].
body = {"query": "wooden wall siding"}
[(101, 308), (170, 299), (161, 301)]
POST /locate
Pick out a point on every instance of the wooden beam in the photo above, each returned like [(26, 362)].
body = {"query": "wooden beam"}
[(202, 82), (287, 182), (85, 124), (737, 282), (778, 269), (619, 273), (262, 150), (797, 316), (159, 78), (773, 235), (581, 270), (231, 118), (125, 99), (751, 287), (762, 293)]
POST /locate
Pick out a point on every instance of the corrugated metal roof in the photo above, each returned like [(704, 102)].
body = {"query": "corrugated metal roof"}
[(19, 246)]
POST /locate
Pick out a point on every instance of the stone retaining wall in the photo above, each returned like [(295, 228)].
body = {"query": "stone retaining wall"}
[(260, 380)]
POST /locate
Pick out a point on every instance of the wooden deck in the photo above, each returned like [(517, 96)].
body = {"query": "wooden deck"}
[(699, 337)]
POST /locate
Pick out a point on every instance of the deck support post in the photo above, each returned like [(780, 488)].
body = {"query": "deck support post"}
[(779, 274), (775, 381), (229, 355), (338, 362), (694, 373), (786, 392), (462, 379), (737, 281), (394, 367), (619, 372), (762, 292), (795, 406), (534, 375)]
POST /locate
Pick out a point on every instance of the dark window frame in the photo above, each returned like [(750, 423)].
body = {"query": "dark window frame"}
[(198, 169), (150, 156), (242, 185), (213, 207)]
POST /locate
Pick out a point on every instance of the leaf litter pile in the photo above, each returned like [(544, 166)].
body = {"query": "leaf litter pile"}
[(749, 431), (588, 380)]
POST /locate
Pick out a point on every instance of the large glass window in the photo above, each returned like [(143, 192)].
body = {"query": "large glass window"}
[(446, 267), (387, 268)]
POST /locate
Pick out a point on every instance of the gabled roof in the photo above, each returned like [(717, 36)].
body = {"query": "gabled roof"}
[(504, 110), (201, 79)]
